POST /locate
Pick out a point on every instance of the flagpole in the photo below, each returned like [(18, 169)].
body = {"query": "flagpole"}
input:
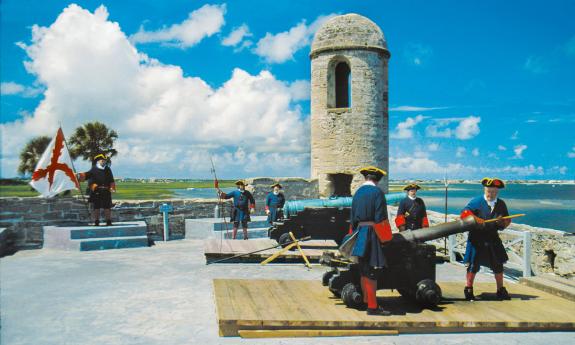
[(76, 177)]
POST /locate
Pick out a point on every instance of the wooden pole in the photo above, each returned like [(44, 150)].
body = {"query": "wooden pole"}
[(503, 218)]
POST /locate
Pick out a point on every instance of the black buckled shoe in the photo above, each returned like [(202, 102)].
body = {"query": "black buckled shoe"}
[(468, 291), (378, 311), (96, 223), (109, 222), (502, 294)]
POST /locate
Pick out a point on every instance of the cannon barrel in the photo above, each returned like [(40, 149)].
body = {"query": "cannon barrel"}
[(293, 207), (437, 231)]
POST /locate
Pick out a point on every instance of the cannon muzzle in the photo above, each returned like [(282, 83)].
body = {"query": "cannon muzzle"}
[(437, 231)]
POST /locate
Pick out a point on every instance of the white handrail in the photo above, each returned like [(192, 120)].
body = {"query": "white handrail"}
[(523, 236)]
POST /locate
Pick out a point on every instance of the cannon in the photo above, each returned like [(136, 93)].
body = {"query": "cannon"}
[(321, 219), (410, 270)]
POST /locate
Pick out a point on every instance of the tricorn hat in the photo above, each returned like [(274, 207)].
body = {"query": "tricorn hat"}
[(99, 156), (493, 182), (276, 185), (411, 186), (240, 183), (371, 170)]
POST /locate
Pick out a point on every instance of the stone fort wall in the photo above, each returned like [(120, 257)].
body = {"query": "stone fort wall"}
[(24, 218)]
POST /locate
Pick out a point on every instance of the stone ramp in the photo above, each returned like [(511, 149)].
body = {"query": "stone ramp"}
[(552, 284), (303, 305), (215, 249), (88, 238)]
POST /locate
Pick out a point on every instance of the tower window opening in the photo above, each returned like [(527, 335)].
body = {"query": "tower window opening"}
[(342, 85)]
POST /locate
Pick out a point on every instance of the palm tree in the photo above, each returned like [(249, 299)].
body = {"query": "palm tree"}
[(91, 139), (30, 155)]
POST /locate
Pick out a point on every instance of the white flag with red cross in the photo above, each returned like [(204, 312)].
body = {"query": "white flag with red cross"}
[(54, 173)]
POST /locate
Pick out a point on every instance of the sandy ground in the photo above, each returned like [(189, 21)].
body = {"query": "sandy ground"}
[(161, 295)]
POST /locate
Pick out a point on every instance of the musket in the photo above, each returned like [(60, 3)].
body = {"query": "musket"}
[(259, 250)]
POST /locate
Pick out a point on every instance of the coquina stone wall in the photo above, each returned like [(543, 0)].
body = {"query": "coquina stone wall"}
[(24, 218)]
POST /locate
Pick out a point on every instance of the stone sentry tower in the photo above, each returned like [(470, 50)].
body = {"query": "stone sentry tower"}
[(349, 107)]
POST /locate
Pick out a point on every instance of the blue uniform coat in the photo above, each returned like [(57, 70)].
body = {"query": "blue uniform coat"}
[(274, 202), (368, 205), (483, 243), (414, 212), (242, 201)]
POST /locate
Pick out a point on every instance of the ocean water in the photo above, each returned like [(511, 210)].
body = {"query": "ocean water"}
[(545, 205)]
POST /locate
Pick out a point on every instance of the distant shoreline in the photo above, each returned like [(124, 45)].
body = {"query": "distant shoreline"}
[(524, 182)]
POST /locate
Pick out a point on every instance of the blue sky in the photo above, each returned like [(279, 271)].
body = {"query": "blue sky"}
[(476, 88)]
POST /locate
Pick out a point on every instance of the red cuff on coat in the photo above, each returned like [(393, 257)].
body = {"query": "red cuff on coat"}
[(252, 205), (267, 208), (399, 220), (466, 213), (425, 222), (350, 229), (113, 186), (383, 231)]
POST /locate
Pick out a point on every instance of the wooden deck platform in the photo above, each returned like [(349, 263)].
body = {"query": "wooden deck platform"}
[(215, 249), (247, 305)]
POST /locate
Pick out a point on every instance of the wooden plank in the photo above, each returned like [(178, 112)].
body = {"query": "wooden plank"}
[(319, 244), (307, 305), (297, 333), (234, 305)]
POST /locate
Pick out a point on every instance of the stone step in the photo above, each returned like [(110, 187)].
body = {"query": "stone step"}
[(86, 238), (113, 243), (107, 231), (200, 228)]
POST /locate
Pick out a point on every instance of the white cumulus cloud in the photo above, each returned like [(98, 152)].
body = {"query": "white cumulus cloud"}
[(415, 108), (404, 130), (518, 150), (281, 47), (165, 120), (571, 154), (237, 35), (466, 128), (14, 89), (406, 166), (201, 23), (301, 90)]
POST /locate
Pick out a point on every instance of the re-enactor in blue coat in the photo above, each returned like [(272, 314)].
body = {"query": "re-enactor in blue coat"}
[(274, 203), (484, 246), (369, 220), (411, 213), (244, 204)]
